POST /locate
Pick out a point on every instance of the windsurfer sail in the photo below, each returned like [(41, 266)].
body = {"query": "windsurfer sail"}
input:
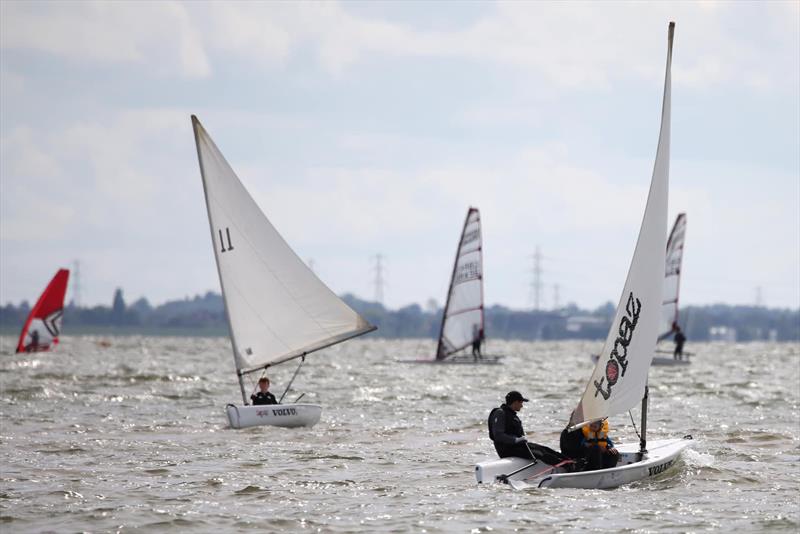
[(43, 325), (463, 319), (672, 277)]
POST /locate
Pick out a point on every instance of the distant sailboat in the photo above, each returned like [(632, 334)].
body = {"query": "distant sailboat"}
[(278, 310), (672, 287), (43, 325), (619, 380), (463, 321)]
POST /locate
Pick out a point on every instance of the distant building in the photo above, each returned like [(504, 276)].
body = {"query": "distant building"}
[(725, 334), (578, 323)]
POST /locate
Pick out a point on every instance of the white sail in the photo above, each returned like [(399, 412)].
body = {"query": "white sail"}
[(672, 277), (277, 308), (462, 322), (620, 376)]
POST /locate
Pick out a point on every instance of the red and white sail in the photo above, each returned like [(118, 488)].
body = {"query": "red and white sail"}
[(463, 319), (672, 277), (43, 324)]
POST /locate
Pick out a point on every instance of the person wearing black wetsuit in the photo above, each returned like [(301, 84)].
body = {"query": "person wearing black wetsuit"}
[(680, 339), (508, 436), (263, 396)]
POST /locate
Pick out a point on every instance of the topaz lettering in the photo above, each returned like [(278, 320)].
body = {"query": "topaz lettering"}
[(617, 362), (659, 468)]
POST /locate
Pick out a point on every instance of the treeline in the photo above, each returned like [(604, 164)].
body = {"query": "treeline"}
[(205, 315)]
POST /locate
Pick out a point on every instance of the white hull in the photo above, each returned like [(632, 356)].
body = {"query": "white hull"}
[(463, 359), (658, 360), (661, 456), (283, 415)]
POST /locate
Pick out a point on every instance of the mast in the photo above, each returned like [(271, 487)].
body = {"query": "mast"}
[(440, 347), (195, 124), (643, 437)]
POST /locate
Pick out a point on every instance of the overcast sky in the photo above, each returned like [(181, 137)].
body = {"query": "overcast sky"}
[(367, 127)]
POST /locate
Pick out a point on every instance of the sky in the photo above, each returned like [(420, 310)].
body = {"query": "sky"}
[(366, 128)]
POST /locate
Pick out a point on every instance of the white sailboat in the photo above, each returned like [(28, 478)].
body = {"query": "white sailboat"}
[(672, 286), (619, 380), (278, 310), (463, 320)]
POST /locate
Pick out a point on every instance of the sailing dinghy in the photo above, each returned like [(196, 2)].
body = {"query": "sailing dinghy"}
[(672, 287), (43, 325), (463, 320), (278, 310), (619, 380)]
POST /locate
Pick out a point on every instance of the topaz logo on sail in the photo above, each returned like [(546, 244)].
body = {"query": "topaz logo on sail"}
[(617, 362)]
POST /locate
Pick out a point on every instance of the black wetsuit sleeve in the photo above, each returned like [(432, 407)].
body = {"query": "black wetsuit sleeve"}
[(499, 428), (271, 399)]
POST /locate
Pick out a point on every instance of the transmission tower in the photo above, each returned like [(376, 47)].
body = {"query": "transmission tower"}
[(379, 281), (536, 281), (556, 303), (76, 283)]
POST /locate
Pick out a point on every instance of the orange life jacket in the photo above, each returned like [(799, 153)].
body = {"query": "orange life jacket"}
[(600, 437)]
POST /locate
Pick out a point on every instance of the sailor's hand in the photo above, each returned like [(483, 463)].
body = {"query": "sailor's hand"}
[(521, 439)]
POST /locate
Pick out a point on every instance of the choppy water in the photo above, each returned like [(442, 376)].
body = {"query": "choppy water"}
[(133, 436)]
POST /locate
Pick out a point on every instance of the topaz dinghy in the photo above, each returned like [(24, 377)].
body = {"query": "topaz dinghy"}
[(463, 320), (43, 325), (277, 308), (672, 285), (619, 380)]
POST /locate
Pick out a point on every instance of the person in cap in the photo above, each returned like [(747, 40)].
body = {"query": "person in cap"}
[(508, 436)]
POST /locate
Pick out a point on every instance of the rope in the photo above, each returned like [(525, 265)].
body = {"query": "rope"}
[(634, 426)]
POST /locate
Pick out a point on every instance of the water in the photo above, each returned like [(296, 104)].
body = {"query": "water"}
[(133, 436)]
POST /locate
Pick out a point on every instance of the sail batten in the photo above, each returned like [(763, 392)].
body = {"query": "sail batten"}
[(619, 379), (277, 308), (463, 319)]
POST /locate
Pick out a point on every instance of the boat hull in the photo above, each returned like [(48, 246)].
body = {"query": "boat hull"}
[(461, 360), (282, 415), (660, 457)]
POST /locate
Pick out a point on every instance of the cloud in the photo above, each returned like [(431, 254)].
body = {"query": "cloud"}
[(155, 35), (566, 44)]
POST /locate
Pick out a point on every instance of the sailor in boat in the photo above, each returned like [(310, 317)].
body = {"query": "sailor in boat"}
[(571, 444), (680, 339), (263, 396), (599, 449), (508, 436)]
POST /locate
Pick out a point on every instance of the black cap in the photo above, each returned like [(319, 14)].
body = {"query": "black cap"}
[(515, 396)]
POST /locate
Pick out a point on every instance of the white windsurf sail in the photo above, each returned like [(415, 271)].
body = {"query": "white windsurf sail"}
[(277, 307), (672, 277), (462, 322), (620, 377)]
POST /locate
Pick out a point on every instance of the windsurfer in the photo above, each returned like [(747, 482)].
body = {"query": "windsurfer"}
[(33, 346), (477, 339), (263, 396), (505, 430), (680, 339)]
